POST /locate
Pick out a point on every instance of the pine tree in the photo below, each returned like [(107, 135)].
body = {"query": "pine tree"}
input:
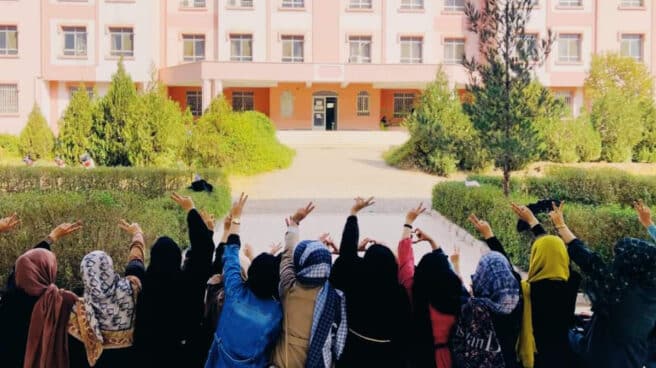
[(36, 139), (498, 80), (76, 122), (111, 132)]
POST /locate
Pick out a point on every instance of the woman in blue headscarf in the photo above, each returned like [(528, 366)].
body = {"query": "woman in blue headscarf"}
[(314, 322)]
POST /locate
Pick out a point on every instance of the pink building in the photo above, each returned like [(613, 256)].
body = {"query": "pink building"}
[(308, 64)]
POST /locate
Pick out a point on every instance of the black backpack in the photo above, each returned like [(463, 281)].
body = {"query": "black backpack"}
[(474, 342)]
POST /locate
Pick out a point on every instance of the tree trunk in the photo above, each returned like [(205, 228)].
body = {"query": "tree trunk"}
[(506, 178)]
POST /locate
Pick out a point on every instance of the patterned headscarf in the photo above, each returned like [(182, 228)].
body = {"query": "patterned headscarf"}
[(495, 285), (634, 265), (312, 262), (108, 298)]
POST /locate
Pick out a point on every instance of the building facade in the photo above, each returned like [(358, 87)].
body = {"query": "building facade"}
[(308, 64)]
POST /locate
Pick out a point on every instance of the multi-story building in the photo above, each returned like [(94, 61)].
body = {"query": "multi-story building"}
[(308, 64)]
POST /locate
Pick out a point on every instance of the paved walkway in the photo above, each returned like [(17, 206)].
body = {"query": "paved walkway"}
[(331, 168)]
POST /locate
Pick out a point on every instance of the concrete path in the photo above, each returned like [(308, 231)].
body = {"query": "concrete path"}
[(331, 168)]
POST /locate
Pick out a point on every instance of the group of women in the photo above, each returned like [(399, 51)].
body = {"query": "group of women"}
[(220, 306)]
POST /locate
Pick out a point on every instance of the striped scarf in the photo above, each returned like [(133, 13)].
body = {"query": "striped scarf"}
[(312, 262)]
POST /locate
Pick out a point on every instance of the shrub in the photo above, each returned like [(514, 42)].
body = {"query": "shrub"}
[(36, 139), (441, 135), (572, 140), (100, 211), (9, 146), (146, 182), (239, 142), (599, 226)]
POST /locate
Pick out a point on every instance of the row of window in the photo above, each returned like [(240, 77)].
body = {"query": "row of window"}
[(293, 50), (244, 101)]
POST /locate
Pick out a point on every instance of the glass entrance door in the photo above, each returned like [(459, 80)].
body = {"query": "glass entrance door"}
[(319, 113)]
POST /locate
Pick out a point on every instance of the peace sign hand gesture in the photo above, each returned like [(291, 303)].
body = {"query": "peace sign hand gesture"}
[(524, 214), (360, 204), (644, 213), (9, 223), (302, 213), (482, 226), (556, 215), (412, 215)]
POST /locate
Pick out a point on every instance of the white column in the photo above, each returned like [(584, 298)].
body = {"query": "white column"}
[(207, 93), (218, 88)]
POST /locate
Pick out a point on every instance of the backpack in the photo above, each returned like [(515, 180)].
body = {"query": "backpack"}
[(474, 341)]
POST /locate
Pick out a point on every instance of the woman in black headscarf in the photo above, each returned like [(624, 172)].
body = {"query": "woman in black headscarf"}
[(437, 296), (378, 310), (168, 330)]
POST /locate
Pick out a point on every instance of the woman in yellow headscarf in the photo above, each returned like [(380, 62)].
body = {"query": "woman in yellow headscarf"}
[(549, 295)]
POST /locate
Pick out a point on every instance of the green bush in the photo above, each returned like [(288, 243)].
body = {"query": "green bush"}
[(599, 226), (75, 136), (572, 140), (238, 142), (150, 183), (441, 135), (100, 211), (9, 146), (36, 139)]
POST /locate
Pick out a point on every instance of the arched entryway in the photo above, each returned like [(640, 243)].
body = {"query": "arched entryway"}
[(324, 110)]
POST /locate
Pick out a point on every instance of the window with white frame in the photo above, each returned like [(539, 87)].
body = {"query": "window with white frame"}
[(631, 45), (75, 41), (122, 41), (359, 49), (566, 98), (403, 104), (293, 3), (241, 47), (8, 98), (454, 50), (193, 3), (632, 3), (240, 3), (412, 4), (292, 49), (362, 103), (412, 49), (73, 90), (242, 101), (530, 43), (193, 46), (360, 4), (8, 40), (570, 3), (569, 47), (195, 102), (454, 5)]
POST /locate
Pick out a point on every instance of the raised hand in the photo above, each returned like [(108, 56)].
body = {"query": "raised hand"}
[(208, 219), (455, 258), (556, 215), (482, 226), (238, 207), (301, 213), (64, 229), (328, 242), (9, 223), (226, 223), (644, 213), (422, 236), (364, 243), (130, 228), (185, 202), (274, 248), (248, 251), (361, 203), (525, 214), (412, 215)]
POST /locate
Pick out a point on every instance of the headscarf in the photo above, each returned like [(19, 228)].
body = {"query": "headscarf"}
[(634, 264), (108, 298), (549, 261), (494, 284), (312, 262), (435, 285), (381, 271), (264, 276), (47, 340), (163, 296)]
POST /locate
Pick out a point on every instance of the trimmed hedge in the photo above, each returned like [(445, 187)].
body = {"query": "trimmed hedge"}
[(585, 186), (100, 209), (599, 226), (147, 182)]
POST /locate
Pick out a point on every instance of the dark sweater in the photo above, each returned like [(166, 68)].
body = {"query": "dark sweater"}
[(553, 305), (15, 315), (376, 313)]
